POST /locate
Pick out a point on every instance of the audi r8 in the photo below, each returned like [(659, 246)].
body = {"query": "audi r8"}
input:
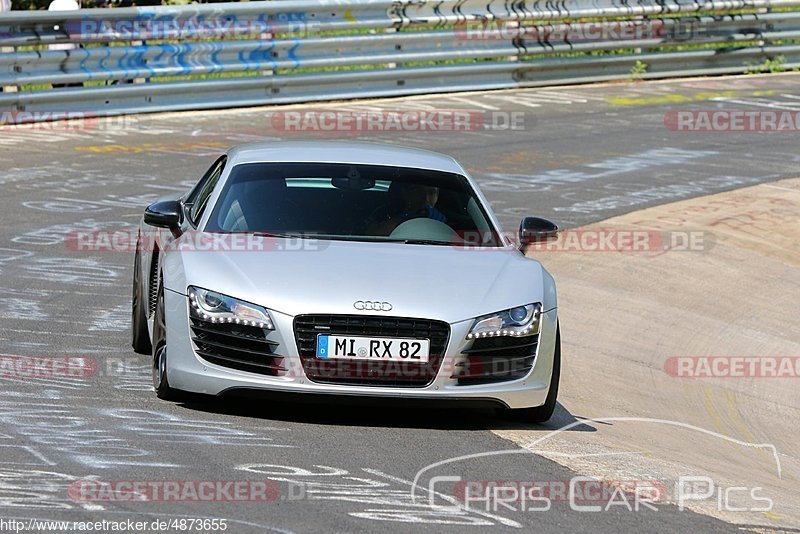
[(344, 269)]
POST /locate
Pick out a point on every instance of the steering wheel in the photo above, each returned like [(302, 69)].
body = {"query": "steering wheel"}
[(424, 228)]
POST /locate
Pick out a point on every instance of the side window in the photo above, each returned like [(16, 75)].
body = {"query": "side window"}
[(198, 198)]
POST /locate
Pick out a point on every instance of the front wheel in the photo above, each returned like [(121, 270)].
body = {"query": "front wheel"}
[(140, 336), (160, 378), (541, 414)]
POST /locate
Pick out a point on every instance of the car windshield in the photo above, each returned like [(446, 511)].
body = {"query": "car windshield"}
[(352, 202)]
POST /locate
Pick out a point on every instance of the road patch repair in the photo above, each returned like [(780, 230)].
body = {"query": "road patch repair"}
[(681, 360)]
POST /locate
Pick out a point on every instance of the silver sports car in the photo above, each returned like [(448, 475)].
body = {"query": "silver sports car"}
[(344, 269)]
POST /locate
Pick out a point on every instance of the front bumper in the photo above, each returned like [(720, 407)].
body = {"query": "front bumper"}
[(188, 372)]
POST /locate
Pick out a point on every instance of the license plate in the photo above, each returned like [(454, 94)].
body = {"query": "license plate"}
[(373, 348)]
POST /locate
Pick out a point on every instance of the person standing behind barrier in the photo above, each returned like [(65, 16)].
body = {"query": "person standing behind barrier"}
[(64, 5)]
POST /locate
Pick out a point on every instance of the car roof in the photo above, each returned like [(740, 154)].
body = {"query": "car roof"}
[(342, 152)]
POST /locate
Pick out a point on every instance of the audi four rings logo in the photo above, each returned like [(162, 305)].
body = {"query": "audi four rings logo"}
[(373, 305)]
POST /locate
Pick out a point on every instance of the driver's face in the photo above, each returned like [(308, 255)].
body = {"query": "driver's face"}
[(417, 197), (432, 196)]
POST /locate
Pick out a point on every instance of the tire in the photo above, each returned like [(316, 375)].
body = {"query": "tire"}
[(160, 378), (541, 414), (140, 336)]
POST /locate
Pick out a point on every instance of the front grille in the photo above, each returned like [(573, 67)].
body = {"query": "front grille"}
[(497, 359), (236, 346), (370, 372)]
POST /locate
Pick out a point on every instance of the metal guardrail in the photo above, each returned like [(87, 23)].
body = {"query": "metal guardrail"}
[(132, 60)]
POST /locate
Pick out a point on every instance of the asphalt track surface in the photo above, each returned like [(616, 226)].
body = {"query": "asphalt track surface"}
[(582, 155)]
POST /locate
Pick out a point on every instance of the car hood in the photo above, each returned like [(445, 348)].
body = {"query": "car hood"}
[(429, 281)]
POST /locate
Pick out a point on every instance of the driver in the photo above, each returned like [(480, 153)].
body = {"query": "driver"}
[(406, 202)]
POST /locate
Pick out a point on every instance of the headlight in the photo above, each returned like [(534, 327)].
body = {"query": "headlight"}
[(218, 308), (519, 321)]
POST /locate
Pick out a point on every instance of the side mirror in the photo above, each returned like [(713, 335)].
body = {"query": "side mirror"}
[(536, 230), (165, 214)]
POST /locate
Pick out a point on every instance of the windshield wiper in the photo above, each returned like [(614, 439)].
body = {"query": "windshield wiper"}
[(366, 239), (333, 237), (275, 234), (419, 241)]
